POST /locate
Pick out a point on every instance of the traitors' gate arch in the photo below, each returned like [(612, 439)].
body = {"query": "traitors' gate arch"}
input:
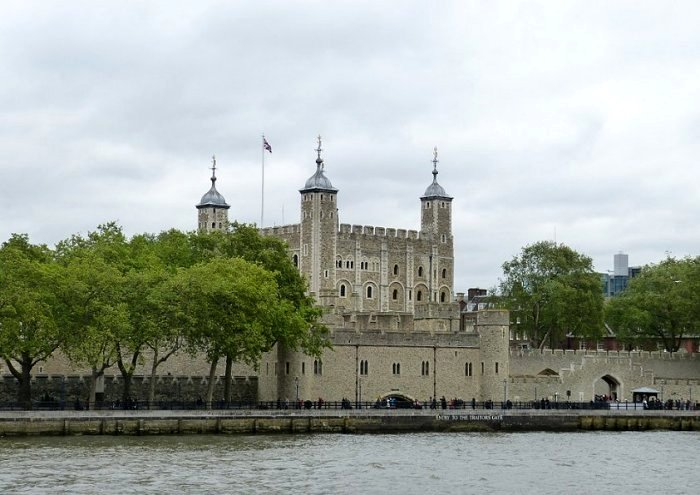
[(609, 386)]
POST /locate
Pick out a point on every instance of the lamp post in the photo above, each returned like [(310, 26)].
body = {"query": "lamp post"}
[(359, 384), (296, 384)]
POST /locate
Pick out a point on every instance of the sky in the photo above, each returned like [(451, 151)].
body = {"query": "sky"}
[(577, 122)]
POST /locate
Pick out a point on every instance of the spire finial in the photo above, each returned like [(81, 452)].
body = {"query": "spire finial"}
[(319, 160), (213, 169), (435, 162)]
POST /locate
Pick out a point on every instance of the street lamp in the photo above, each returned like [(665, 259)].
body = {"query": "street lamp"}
[(359, 384)]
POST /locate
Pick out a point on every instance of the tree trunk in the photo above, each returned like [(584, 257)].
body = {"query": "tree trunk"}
[(93, 387), (154, 370), (152, 382), (227, 380), (210, 385), (127, 373), (23, 375), (24, 393)]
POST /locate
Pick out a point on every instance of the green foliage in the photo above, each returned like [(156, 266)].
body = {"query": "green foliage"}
[(95, 309), (662, 303), (551, 291), (29, 322), (106, 299)]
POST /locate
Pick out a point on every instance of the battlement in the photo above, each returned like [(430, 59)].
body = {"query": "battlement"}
[(499, 317), (370, 230), (434, 310), (641, 355), (281, 229)]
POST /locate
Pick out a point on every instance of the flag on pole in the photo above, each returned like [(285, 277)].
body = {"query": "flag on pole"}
[(266, 145)]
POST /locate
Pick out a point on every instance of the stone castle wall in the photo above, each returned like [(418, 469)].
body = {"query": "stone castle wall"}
[(584, 373), (72, 389)]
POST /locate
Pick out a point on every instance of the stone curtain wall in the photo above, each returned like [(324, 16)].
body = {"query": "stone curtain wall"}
[(675, 376), (72, 388)]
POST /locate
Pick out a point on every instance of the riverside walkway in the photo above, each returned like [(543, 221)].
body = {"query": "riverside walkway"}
[(251, 421)]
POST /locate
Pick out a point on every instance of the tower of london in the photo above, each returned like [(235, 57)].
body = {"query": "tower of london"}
[(389, 303)]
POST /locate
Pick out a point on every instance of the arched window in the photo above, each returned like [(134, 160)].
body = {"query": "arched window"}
[(318, 367), (295, 260), (342, 290), (396, 269), (395, 295), (444, 273), (364, 367), (442, 297), (420, 271), (419, 295), (369, 292)]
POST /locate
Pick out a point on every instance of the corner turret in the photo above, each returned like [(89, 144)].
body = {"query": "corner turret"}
[(212, 208)]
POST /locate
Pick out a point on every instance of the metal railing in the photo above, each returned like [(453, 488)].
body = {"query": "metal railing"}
[(333, 405)]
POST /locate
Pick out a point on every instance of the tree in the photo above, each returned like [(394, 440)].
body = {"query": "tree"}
[(29, 328), (93, 294), (662, 303), (232, 310), (552, 291), (299, 326)]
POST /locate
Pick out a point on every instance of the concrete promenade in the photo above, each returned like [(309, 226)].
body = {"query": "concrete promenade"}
[(160, 422)]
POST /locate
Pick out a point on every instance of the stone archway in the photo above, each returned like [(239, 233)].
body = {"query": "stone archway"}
[(397, 400), (607, 385)]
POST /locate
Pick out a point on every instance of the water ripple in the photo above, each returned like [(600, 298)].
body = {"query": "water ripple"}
[(545, 463)]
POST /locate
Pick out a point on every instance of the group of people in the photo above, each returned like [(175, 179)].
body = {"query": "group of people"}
[(678, 404)]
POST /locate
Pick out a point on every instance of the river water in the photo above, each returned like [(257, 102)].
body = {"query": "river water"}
[(456, 463)]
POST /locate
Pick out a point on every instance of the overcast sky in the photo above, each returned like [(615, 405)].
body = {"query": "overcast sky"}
[(578, 121)]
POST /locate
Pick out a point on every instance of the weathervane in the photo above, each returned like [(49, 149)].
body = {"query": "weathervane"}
[(319, 160), (435, 162), (213, 168)]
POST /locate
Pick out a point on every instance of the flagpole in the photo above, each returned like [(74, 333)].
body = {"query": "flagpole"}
[(262, 196)]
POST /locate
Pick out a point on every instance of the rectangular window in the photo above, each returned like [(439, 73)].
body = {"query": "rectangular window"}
[(482, 367), (496, 368), (286, 368)]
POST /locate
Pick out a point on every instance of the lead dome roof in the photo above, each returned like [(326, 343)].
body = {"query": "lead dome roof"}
[(213, 197), (319, 181), (435, 190)]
